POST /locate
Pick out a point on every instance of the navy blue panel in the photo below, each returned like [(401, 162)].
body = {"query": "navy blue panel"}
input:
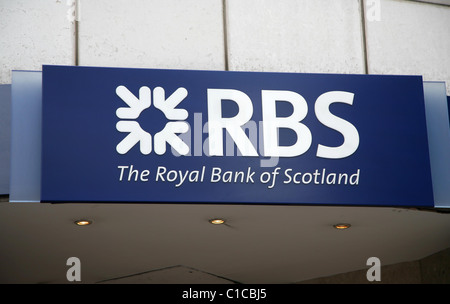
[(5, 136), (448, 101), (80, 163)]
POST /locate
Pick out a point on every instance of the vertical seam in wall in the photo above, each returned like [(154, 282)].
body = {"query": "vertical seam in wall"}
[(76, 44), (76, 22), (225, 33), (421, 271), (364, 37)]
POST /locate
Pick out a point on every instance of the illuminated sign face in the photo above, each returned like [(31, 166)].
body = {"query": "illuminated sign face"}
[(143, 135)]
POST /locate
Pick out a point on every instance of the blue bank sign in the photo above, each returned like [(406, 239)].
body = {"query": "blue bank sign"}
[(147, 135)]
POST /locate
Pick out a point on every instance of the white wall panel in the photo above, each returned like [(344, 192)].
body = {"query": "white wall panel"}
[(410, 38), (320, 36), (179, 34), (33, 33)]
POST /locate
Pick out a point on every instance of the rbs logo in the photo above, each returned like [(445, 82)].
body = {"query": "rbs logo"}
[(135, 108), (217, 123)]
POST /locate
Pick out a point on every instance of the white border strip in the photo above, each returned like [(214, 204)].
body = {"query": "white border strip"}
[(26, 135), (436, 110)]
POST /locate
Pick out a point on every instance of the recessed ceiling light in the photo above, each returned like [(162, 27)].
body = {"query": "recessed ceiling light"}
[(217, 221), (342, 226), (83, 222)]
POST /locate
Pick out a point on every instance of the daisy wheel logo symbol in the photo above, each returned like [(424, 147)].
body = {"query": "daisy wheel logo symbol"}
[(136, 135)]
